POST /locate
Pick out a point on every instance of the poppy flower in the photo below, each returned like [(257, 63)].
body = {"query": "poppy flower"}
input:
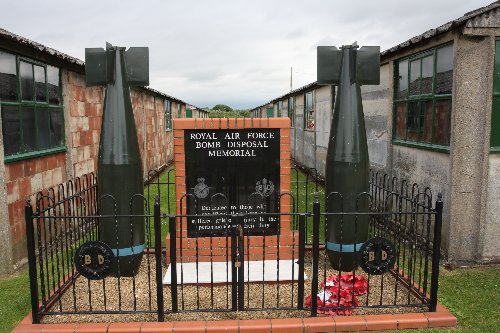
[(337, 294)]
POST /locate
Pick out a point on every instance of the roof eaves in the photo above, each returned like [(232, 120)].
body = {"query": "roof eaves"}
[(40, 48), (293, 92), (64, 57), (440, 30)]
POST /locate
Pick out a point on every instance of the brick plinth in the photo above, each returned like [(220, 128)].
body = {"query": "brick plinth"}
[(282, 247)]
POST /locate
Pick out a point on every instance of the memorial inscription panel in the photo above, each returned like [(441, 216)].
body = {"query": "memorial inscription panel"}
[(234, 173)]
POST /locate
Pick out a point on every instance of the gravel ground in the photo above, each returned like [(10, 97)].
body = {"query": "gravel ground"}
[(383, 290)]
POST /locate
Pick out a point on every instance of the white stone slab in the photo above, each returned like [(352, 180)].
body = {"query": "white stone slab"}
[(266, 270)]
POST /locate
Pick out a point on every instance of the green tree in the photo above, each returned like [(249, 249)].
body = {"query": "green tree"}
[(222, 107), (229, 114)]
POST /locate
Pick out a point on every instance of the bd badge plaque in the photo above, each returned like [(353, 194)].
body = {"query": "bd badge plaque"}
[(377, 256), (94, 260)]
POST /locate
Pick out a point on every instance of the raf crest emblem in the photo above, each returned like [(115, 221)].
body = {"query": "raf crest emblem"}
[(264, 187), (201, 189)]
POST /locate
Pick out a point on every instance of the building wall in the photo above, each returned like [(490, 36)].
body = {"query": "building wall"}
[(491, 227), (149, 118), (468, 176), (298, 132), (82, 118), (5, 227), (376, 101), (169, 146), (426, 168), (473, 86), (323, 112), (83, 107)]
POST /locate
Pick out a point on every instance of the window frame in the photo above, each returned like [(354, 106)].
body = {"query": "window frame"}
[(495, 102), (37, 107), (167, 109), (280, 112), (179, 110), (291, 110), (420, 99), (269, 112), (309, 113)]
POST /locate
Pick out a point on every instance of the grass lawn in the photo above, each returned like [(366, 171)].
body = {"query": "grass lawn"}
[(473, 296), (14, 300)]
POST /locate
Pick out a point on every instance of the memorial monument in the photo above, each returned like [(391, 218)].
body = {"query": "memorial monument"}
[(119, 169), (236, 168), (347, 161)]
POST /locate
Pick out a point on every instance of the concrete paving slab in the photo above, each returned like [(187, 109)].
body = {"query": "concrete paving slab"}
[(260, 270)]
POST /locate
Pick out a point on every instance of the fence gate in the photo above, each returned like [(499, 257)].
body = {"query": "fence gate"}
[(242, 265)]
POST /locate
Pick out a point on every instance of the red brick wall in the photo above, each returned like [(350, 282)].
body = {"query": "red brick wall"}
[(85, 114), (160, 132), (150, 123), (85, 125), (24, 178)]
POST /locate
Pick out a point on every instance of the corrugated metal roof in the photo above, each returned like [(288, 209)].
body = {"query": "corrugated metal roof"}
[(442, 29), (64, 57), (293, 92), (159, 93), (39, 47)]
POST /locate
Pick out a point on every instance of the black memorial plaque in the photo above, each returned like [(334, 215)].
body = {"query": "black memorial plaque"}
[(94, 260), (378, 256), (234, 174)]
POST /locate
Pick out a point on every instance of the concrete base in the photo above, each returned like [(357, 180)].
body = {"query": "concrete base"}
[(259, 271)]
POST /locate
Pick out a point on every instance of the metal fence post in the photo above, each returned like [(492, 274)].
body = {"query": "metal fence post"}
[(436, 252), (241, 268), (30, 240), (173, 262), (315, 255), (234, 271), (158, 255), (302, 247)]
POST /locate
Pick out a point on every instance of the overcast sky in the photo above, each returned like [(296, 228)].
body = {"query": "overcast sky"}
[(232, 52)]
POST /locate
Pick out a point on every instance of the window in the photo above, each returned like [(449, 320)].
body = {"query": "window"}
[(309, 110), (189, 113), (422, 98), (281, 111), (291, 110), (31, 106), (270, 112), (179, 110), (168, 115), (495, 111)]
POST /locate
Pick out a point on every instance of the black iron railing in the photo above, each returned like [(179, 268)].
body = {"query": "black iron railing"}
[(63, 218)]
